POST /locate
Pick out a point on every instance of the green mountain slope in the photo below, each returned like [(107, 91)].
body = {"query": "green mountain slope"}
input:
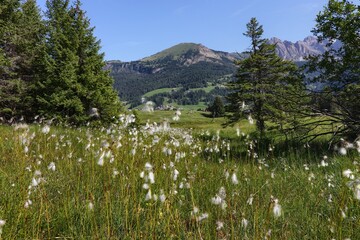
[(186, 65)]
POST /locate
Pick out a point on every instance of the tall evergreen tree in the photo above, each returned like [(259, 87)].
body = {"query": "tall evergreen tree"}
[(20, 37), (96, 84), (74, 82), (10, 89), (264, 82), (56, 91)]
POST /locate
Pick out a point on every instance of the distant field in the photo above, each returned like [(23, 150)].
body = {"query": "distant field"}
[(160, 90), (196, 120)]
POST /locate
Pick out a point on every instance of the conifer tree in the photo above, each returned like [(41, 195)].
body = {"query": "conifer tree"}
[(97, 85), (20, 40), (74, 82), (56, 90), (264, 82), (10, 87), (217, 108)]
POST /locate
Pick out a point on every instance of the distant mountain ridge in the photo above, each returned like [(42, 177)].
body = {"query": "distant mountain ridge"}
[(299, 50), (191, 65)]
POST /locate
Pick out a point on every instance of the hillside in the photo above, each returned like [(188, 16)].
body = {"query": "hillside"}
[(185, 65), (192, 66)]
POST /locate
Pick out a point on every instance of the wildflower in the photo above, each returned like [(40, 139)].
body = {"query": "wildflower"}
[(148, 195), (238, 132), (115, 172), (250, 200), (175, 174), (90, 206), (234, 179), (251, 120), (162, 196), (151, 177), (348, 174), (202, 217), (219, 198), (2, 223), (101, 160), (194, 211), (216, 200), (148, 166), (27, 203), (342, 151), (219, 225), (277, 208), (46, 129), (244, 223), (52, 166)]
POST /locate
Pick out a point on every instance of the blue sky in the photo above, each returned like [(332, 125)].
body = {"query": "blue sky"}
[(130, 30)]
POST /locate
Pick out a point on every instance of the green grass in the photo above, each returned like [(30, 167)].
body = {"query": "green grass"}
[(83, 199), (157, 91)]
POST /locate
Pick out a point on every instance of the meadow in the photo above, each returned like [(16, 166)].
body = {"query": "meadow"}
[(166, 179)]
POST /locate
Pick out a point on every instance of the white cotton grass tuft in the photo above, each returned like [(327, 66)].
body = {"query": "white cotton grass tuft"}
[(28, 203), (348, 174), (250, 200), (277, 210), (219, 198), (2, 224), (251, 120), (244, 223), (46, 129), (202, 217), (90, 206), (219, 225), (52, 166), (342, 151), (148, 195), (234, 179)]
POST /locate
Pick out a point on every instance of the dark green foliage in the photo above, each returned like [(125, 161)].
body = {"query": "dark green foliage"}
[(172, 73), (21, 42), (265, 83), (74, 81), (217, 108), (339, 68)]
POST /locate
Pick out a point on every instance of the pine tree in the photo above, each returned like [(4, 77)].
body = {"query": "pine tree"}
[(217, 108), (31, 47), (74, 83), (264, 82), (10, 86), (97, 85), (20, 37), (56, 90)]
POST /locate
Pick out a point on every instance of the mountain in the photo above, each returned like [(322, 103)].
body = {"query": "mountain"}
[(299, 50), (186, 65), (193, 66)]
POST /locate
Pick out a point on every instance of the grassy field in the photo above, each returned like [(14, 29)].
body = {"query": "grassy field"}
[(165, 182)]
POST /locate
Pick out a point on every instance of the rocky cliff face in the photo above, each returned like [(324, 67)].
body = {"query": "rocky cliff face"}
[(299, 50)]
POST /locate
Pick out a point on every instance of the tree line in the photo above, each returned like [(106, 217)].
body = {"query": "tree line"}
[(271, 89), (51, 65)]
